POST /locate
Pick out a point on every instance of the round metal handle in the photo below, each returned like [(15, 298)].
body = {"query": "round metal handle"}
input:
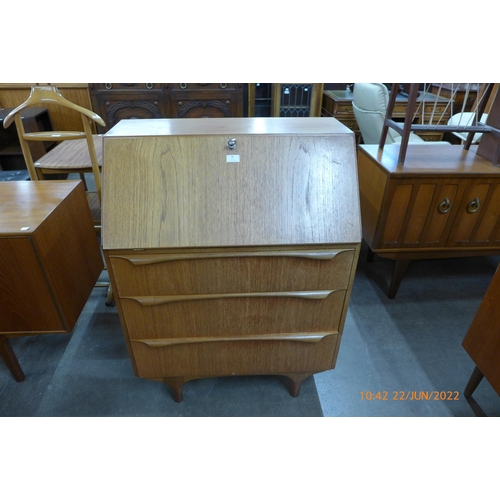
[(444, 206), (223, 85), (183, 85), (149, 86), (231, 143), (108, 86), (473, 206)]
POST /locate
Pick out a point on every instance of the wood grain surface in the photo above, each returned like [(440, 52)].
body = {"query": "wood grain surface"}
[(181, 191)]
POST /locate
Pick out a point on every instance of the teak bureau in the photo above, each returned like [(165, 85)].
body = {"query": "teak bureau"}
[(231, 244)]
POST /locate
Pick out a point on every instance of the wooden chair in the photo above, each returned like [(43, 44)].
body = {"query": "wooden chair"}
[(78, 152)]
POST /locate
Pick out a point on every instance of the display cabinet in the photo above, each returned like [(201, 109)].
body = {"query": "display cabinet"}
[(295, 100)]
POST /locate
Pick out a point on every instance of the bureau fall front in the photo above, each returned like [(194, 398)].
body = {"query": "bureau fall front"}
[(231, 244)]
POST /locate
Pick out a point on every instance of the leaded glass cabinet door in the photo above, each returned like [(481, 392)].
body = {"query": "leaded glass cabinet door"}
[(296, 100)]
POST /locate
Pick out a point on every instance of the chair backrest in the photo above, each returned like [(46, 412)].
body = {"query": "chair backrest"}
[(39, 96), (464, 119), (370, 101)]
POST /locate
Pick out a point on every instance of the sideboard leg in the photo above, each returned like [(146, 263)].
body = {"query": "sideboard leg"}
[(400, 267), (175, 384), (295, 381), (10, 359), (473, 382)]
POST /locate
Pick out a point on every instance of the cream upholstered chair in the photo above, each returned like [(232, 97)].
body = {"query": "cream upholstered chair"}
[(464, 119), (370, 101)]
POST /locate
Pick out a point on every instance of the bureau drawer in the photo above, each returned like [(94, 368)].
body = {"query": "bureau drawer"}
[(345, 109), (351, 124), (208, 273), (226, 358), (182, 318)]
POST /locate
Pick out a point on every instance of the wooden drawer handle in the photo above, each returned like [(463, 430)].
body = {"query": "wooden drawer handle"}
[(166, 299), (297, 337), (142, 260)]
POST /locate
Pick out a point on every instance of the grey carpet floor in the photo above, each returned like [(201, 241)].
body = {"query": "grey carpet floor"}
[(411, 344)]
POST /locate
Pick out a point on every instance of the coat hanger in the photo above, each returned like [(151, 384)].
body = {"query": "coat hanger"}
[(50, 94)]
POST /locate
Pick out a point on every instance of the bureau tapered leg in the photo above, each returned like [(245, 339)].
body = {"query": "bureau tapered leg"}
[(296, 380), (175, 384), (370, 254), (473, 382), (399, 271), (10, 359)]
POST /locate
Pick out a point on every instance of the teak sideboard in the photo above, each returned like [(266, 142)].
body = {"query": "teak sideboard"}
[(49, 260), (443, 202), (231, 244)]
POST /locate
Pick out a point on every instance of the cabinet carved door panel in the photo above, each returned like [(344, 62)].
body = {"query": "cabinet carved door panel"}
[(201, 108), (419, 212), (477, 222)]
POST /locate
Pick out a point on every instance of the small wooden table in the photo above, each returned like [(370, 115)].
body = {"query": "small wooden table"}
[(49, 260), (70, 157)]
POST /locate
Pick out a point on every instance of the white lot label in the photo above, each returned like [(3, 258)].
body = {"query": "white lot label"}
[(232, 158)]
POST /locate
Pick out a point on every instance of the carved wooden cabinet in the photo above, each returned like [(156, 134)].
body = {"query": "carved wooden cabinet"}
[(206, 100), (443, 202), (119, 101), (49, 259), (231, 244)]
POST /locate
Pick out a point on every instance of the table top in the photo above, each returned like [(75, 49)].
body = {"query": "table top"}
[(431, 159), (24, 205), (223, 126), (71, 155)]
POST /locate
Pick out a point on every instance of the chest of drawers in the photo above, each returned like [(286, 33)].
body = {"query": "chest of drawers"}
[(231, 244)]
